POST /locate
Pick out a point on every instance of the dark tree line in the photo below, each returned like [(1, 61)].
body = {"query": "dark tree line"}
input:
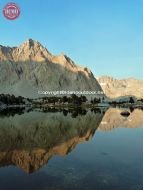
[(73, 99), (11, 99), (131, 101), (95, 101)]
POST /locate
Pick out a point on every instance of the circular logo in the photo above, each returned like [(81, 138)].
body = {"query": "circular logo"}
[(11, 11)]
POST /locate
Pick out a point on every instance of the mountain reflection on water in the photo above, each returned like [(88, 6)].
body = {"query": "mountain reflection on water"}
[(29, 139), (113, 119)]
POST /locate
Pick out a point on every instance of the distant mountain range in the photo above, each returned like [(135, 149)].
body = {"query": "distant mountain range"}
[(114, 88), (31, 67)]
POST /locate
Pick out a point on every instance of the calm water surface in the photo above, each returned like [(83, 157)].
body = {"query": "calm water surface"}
[(81, 150)]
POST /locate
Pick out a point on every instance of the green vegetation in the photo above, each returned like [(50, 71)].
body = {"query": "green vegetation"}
[(66, 101), (95, 101), (11, 99), (73, 99)]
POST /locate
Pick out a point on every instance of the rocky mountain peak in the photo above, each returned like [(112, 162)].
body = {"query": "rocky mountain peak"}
[(31, 44), (31, 67), (31, 50)]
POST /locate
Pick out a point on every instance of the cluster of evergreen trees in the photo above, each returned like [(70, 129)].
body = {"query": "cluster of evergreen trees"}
[(131, 101), (97, 100), (73, 99), (11, 99)]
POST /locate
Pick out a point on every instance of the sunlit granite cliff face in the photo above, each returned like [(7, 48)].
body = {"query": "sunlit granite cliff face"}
[(30, 140), (31, 67)]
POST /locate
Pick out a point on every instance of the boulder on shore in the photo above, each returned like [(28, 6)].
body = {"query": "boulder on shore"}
[(125, 113)]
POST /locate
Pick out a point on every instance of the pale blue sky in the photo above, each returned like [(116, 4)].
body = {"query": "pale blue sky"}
[(104, 35)]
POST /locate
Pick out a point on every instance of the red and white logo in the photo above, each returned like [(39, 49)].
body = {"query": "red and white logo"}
[(11, 11)]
